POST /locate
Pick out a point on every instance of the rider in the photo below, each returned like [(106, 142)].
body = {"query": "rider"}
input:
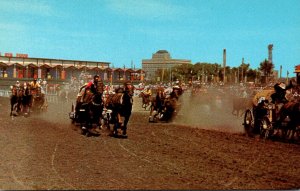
[(147, 92), (128, 87), (280, 92), (279, 98), (93, 84), (88, 87), (34, 84), (17, 84)]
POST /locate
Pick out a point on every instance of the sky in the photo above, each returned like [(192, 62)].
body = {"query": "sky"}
[(123, 32)]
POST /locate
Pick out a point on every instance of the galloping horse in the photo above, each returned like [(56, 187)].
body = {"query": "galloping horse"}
[(157, 103), (292, 111), (16, 100), (27, 100), (121, 106), (93, 108), (146, 100), (38, 100)]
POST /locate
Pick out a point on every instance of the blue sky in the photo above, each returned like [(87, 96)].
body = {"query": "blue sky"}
[(125, 31)]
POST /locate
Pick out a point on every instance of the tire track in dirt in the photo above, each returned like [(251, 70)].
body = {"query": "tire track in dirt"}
[(109, 147), (55, 171), (213, 152), (11, 167), (144, 158)]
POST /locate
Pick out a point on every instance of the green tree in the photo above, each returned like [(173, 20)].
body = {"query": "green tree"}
[(267, 69)]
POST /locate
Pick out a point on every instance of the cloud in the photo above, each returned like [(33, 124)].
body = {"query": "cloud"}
[(33, 7)]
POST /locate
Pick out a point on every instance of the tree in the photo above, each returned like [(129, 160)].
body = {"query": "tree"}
[(267, 68)]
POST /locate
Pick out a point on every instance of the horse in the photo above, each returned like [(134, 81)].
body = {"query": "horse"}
[(157, 104), (27, 100), (121, 106), (170, 107), (146, 100), (16, 100), (92, 108), (38, 100), (290, 113), (166, 108)]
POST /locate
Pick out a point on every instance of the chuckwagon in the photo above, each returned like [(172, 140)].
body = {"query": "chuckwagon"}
[(267, 119)]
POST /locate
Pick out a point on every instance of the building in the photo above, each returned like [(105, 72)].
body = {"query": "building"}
[(297, 71), (160, 60), (21, 66)]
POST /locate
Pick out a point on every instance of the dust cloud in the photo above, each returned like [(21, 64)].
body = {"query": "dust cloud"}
[(208, 111)]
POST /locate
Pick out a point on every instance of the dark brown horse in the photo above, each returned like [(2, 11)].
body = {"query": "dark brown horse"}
[(16, 100), (290, 112), (89, 112), (121, 106)]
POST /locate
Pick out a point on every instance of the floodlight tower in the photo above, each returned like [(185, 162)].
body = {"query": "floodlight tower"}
[(270, 49), (224, 66)]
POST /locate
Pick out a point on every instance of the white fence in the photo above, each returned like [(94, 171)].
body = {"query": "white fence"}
[(4, 93)]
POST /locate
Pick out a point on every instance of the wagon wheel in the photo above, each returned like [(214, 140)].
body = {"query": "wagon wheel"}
[(248, 122), (265, 128)]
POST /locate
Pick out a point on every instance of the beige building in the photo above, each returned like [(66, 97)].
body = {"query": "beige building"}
[(22, 66), (160, 60)]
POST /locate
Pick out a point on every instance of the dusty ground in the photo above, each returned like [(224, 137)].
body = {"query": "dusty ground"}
[(198, 151)]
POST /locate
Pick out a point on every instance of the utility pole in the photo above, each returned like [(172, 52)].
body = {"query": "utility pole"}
[(242, 70), (224, 66), (280, 72)]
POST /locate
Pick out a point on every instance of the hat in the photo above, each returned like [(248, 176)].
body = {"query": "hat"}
[(279, 86), (282, 85)]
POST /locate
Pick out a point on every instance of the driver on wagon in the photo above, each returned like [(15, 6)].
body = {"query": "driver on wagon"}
[(93, 84), (280, 92), (34, 84)]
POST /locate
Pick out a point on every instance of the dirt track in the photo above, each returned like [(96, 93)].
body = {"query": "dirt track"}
[(47, 152)]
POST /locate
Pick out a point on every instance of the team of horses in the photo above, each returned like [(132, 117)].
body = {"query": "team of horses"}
[(102, 109), (26, 99), (162, 107), (99, 108)]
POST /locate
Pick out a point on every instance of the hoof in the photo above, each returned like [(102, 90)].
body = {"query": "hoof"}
[(83, 130)]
